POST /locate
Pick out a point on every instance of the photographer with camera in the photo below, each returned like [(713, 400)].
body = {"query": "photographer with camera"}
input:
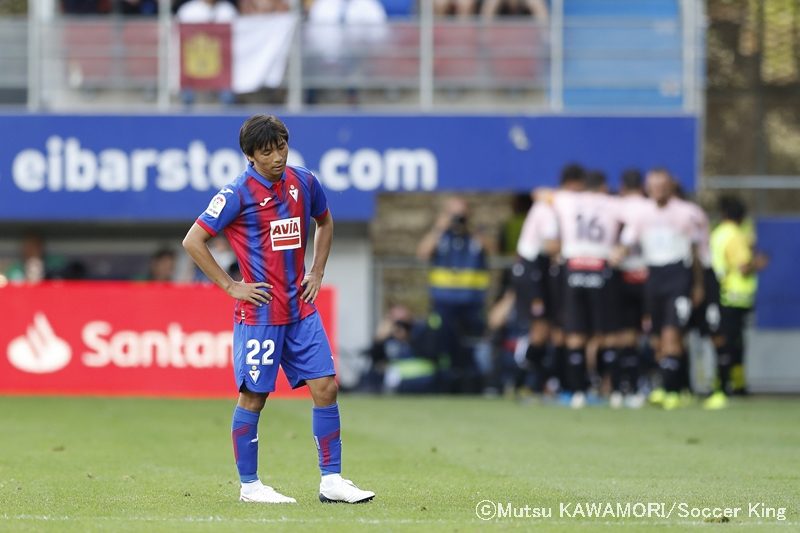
[(458, 280)]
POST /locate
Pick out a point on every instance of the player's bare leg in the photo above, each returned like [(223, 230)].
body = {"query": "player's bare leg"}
[(326, 428), (244, 432)]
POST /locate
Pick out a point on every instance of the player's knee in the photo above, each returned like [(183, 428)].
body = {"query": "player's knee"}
[(324, 391), (252, 401)]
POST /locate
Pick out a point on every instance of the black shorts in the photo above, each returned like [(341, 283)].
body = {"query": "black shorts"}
[(555, 292), (706, 317), (668, 296), (591, 300), (529, 280), (631, 301)]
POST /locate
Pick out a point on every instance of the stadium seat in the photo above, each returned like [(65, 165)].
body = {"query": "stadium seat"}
[(86, 45), (622, 53), (513, 51), (140, 45), (456, 53)]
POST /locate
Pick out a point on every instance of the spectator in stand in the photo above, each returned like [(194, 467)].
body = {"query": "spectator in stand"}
[(138, 7), (260, 7), (458, 8), (85, 7), (338, 32), (34, 265), (206, 11), (162, 266), (514, 8)]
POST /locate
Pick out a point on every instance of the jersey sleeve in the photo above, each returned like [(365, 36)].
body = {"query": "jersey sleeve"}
[(549, 223), (319, 202), (631, 228), (223, 209)]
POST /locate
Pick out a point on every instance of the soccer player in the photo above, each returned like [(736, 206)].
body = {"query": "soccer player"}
[(666, 230), (265, 214), (588, 224), (538, 241), (705, 313), (633, 271)]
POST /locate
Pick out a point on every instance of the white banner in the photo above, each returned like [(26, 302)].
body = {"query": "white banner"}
[(261, 47)]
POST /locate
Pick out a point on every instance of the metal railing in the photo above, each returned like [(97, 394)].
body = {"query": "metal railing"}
[(567, 63)]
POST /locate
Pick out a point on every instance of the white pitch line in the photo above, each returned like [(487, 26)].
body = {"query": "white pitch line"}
[(381, 521)]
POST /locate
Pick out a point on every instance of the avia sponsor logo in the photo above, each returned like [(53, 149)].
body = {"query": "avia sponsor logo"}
[(39, 350), (64, 164), (285, 233)]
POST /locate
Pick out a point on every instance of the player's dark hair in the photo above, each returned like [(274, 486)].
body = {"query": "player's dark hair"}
[(732, 208), (595, 180), (262, 131), (632, 180), (572, 173)]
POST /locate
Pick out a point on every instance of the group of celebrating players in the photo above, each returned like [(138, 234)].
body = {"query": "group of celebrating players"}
[(598, 272)]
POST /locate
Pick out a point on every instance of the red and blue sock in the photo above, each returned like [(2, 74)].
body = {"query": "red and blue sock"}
[(326, 427), (244, 432)]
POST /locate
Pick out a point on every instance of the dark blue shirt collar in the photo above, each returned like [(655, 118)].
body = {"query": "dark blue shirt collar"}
[(253, 173)]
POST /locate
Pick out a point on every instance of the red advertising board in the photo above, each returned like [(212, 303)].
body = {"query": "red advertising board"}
[(109, 338)]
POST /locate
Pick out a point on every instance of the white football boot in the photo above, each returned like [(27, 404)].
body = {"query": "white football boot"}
[(615, 400), (257, 492), (578, 400), (334, 489)]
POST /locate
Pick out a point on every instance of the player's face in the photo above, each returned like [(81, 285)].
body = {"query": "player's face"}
[(659, 186), (270, 161)]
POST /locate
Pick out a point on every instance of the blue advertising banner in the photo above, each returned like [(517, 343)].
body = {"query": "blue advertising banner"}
[(778, 296), (167, 167)]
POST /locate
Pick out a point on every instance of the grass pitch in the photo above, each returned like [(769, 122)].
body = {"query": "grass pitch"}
[(76, 464)]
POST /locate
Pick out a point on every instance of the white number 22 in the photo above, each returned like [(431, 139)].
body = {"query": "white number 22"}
[(254, 346)]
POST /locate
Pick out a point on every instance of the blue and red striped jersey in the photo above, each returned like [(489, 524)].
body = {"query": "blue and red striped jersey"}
[(267, 226)]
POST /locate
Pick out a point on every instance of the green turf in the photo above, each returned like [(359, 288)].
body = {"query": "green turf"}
[(69, 464)]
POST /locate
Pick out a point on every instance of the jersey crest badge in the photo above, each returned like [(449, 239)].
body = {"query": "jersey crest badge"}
[(293, 192)]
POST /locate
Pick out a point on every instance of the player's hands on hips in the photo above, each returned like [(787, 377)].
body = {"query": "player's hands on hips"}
[(312, 282), (251, 292)]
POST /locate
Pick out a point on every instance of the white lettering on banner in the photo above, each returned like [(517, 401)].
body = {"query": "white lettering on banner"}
[(66, 165), (367, 170), (171, 349)]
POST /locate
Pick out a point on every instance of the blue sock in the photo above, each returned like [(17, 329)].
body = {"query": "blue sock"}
[(244, 432), (325, 426)]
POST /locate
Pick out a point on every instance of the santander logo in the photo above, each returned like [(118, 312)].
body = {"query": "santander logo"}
[(39, 350)]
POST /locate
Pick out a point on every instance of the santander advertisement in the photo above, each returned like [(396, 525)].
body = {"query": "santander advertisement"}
[(133, 339)]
